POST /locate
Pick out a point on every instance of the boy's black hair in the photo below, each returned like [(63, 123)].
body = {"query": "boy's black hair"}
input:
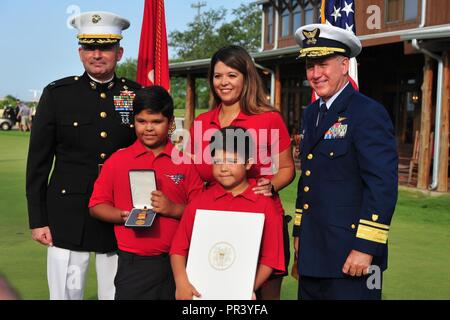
[(154, 99), (233, 139)]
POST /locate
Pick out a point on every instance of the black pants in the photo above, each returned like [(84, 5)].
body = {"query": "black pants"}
[(348, 288), (144, 278)]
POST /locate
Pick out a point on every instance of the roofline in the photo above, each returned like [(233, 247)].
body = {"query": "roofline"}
[(277, 53), (202, 64), (189, 65), (432, 32), (400, 33)]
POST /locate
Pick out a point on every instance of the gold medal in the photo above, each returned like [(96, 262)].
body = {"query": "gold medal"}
[(142, 216), (140, 222)]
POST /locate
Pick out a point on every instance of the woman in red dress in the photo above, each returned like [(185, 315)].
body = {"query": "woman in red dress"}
[(239, 99)]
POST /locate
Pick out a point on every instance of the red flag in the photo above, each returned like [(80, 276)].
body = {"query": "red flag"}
[(153, 60)]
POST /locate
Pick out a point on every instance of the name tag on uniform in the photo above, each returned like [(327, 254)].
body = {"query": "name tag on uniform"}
[(337, 131)]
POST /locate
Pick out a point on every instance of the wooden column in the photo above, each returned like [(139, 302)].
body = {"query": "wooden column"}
[(190, 102), (423, 177), (278, 88), (445, 124)]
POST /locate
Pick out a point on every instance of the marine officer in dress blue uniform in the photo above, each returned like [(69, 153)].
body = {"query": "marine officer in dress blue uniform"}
[(347, 191), (80, 121)]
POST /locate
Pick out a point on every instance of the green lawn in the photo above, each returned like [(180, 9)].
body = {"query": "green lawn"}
[(419, 238)]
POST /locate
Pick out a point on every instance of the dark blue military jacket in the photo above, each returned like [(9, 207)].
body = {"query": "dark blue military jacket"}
[(78, 124), (348, 187)]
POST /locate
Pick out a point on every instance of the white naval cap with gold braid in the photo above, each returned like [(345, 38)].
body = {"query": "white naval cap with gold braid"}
[(321, 40), (99, 28)]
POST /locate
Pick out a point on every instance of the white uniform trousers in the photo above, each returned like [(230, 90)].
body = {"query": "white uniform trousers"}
[(66, 274)]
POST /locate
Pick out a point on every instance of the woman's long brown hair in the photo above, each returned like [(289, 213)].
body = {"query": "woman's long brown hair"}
[(253, 98)]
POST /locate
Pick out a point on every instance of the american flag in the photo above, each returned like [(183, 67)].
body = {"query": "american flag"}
[(341, 13)]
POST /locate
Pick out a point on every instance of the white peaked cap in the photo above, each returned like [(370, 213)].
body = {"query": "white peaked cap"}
[(99, 28)]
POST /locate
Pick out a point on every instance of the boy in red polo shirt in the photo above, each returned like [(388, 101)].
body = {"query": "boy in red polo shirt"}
[(144, 270), (233, 192)]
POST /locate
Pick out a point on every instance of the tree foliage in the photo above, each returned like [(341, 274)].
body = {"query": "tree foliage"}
[(246, 27), (210, 31), (9, 100), (127, 69), (203, 36)]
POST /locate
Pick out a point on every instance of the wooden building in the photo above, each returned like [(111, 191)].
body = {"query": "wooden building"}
[(404, 65)]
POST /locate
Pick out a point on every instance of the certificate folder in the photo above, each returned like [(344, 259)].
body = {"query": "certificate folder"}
[(223, 254), (142, 184)]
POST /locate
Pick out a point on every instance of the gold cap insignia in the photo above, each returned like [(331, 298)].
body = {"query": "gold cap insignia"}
[(311, 36), (340, 119), (96, 18), (375, 217)]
